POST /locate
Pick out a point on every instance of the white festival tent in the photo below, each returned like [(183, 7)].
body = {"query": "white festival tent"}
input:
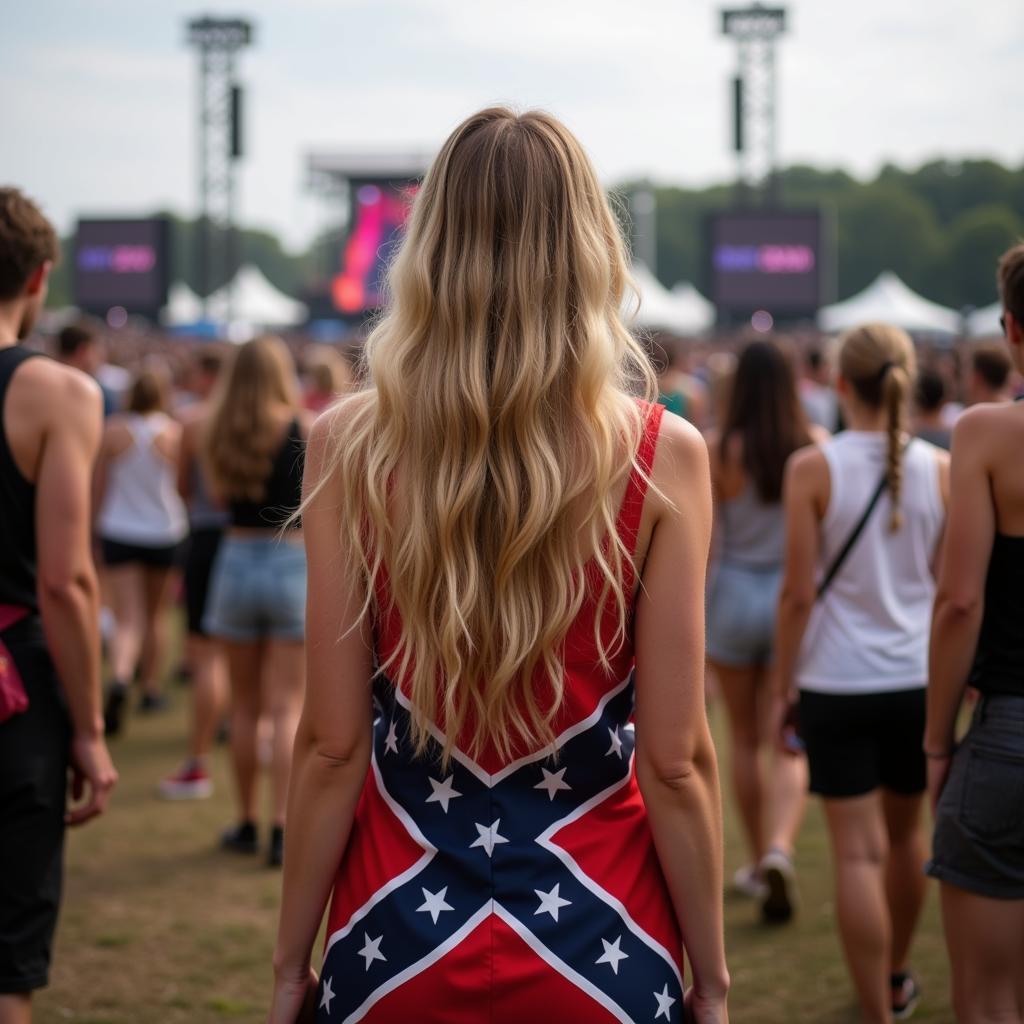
[(681, 312), (183, 306), (254, 300), (888, 300), (984, 322)]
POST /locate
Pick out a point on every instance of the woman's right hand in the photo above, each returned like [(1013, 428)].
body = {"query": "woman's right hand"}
[(294, 999), (699, 1008)]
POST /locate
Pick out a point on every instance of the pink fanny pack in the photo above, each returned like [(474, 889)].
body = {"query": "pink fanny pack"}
[(13, 699)]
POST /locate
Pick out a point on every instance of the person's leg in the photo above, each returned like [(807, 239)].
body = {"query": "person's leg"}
[(127, 602), (787, 789), (857, 832), (985, 939), (739, 690), (157, 585), (245, 663), (283, 681), (904, 875), (16, 1009), (208, 668)]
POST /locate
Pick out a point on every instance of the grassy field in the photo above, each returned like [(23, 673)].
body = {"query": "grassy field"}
[(160, 926)]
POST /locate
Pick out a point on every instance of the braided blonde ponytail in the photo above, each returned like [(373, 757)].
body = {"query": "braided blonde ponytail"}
[(879, 362)]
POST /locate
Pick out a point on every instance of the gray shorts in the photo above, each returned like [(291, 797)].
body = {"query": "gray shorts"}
[(979, 822), (741, 615), (257, 590)]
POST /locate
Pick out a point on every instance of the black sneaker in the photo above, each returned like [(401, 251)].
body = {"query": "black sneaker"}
[(276, 856), (113, 708), (241, 839), (151, 703), (905, 995)]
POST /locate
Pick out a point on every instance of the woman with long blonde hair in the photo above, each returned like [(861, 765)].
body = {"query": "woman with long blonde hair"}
[(864, 515), (497, 531), (252, 449)]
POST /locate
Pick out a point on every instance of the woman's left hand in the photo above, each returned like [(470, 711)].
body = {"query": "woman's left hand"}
[(294, 1000), (938, 774)]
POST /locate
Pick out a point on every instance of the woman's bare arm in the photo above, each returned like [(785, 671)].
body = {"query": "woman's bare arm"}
[(332, 746), (675, 757)]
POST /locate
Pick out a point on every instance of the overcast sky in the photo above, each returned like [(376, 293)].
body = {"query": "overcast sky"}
[(98, 97)]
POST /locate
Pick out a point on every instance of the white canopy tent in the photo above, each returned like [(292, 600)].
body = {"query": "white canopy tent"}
[(183, 306), (984, 322), (680, 312), (254, 300), (888, 300)]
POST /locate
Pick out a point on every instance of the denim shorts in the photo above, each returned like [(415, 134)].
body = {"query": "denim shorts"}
[(741, 615), (979, 822), (257, 590)]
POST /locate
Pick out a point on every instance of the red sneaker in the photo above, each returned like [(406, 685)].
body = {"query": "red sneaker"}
[(188, 783)]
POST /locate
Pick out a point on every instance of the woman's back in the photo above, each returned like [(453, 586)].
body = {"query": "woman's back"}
[(557, 849), (869, 632), (141, 502)]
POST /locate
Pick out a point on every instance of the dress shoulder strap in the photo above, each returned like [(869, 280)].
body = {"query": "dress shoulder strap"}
[(639, 476)]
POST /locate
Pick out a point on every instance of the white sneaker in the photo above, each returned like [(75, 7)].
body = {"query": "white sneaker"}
[(747, 882)]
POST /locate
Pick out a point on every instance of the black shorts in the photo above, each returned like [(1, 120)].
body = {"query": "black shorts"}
[(202, 550), (857, 743), (34, 749), (162, 557)]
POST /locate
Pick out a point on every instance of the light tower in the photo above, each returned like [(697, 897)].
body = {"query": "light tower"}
[(755, 29), (218, 40)]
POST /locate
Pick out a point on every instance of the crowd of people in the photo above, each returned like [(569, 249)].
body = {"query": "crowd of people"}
[(490, 529)]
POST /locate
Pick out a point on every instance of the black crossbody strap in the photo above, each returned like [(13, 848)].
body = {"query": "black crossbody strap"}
[(837, 562)]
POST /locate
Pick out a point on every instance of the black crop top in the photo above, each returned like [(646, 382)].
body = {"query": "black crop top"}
[(999, 659), (283, 491)]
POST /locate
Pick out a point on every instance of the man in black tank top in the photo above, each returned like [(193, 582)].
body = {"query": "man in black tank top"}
[(50, 720)]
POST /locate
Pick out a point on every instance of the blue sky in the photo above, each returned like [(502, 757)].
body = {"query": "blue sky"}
[(98, 96)]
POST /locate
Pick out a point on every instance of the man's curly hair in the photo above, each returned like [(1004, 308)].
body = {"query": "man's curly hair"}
[(27, 240)]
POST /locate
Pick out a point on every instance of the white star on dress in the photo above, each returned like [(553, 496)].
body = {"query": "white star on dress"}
[(550, 902), (616, 747), (371, 949), (443, 793), (612, 954), (665, 1002), (325, 999), (434, 903), (553, 782), (488, 837), (391, 740)]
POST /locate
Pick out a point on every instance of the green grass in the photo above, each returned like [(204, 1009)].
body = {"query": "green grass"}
[(160, 926)]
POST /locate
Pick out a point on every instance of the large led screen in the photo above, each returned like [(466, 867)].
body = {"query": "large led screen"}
[(121, 263), (765, 259), (377, 216)]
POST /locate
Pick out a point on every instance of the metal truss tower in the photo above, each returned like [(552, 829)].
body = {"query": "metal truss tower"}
[(218, 41), (755, 29)]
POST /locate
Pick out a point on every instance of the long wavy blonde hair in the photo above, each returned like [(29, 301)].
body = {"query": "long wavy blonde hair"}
[(243, 433), (480, 467)]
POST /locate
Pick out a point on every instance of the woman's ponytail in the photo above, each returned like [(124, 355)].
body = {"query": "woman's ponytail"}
[(895, 389)]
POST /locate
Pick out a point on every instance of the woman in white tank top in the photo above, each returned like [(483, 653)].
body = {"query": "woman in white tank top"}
[(141, 524), (853, 639)]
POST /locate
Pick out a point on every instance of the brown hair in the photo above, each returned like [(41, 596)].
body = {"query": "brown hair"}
[(73, 337), (879, 362), (1010, 277), (149, 393), (242, 434), (27, 241), (992, 364), (764, 410)]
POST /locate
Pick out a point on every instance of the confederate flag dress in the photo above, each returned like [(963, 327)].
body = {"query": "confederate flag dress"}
[(508, 892)]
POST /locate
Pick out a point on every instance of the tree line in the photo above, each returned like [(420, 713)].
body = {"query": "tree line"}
[(940, 227)]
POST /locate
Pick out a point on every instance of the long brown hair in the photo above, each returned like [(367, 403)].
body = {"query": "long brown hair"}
[(879, 362), (242, 433), (765, 413), (500, 396)]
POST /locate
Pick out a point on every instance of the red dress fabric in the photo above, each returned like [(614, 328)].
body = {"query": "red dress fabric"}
[(508, 892)]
